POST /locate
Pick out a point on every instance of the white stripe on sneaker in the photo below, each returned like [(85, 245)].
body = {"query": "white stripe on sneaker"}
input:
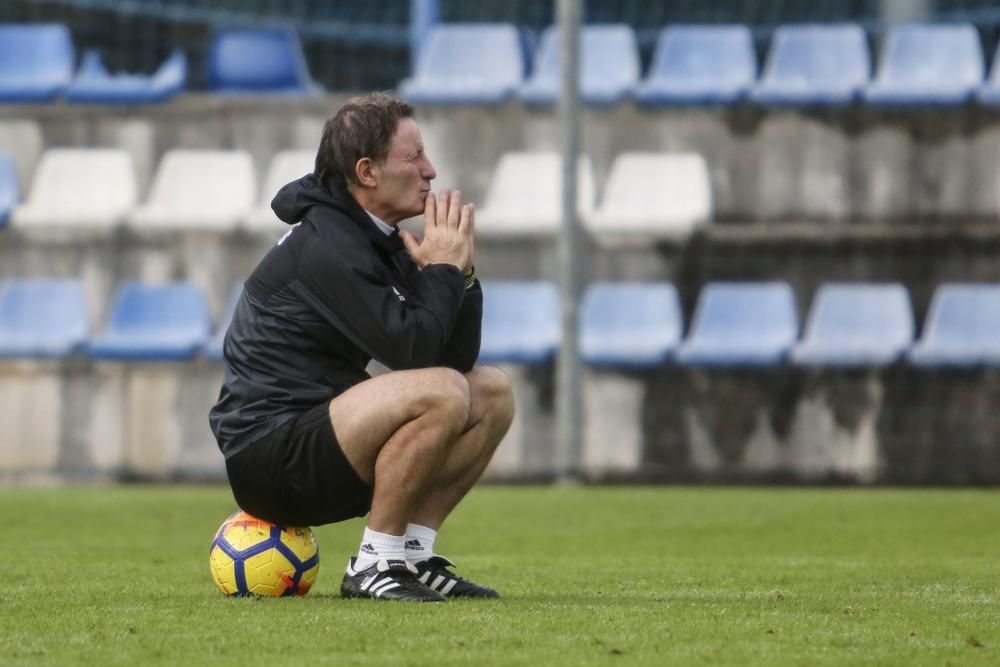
[(437, 582), (424, 577), (386, 588), (367, 584), (450, 585), (383, 585), (383, 589)]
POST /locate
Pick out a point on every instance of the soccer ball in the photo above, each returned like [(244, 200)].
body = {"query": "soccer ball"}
[(251, 556)]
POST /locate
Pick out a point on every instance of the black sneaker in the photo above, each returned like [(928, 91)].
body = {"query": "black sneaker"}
[(433, 573), (386, 580)]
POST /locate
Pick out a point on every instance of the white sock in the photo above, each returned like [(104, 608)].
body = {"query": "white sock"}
[(377, 546), (419, 542)]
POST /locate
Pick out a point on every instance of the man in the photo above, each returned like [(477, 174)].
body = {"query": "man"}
[(309, 437)]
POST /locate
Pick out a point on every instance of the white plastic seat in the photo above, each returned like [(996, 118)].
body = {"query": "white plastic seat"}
[(285, 167), (653, 196), (207, 190), (525, 195), (79, 188)]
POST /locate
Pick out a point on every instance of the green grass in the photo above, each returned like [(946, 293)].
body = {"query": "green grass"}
[(590, 576)]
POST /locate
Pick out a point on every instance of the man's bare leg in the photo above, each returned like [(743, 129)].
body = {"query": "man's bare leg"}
[(396, 430), (490, 415)]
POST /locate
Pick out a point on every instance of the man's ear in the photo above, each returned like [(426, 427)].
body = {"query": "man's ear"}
[(366, 172)]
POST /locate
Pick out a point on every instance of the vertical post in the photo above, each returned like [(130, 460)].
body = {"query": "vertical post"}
[(423, 15), (904, 11), (569, 394)]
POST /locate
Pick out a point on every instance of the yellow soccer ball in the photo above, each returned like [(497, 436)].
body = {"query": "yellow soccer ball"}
[(251, 556)]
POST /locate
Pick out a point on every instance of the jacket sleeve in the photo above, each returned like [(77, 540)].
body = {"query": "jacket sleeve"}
[(353, 291), (462, 350)]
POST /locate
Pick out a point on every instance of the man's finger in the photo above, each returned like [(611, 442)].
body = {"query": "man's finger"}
[(442, 207), (455, 209), (430, 210), (412, 244), (465, 221)]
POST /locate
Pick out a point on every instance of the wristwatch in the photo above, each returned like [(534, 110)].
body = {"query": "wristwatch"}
[(471, 278)]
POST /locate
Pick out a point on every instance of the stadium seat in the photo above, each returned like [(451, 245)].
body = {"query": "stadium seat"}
[(213, 348), (629, 324), (154, 323), (94, 84), (961, 328), (653, 196), (36, 62), (42, 318), (10, 191), (856, 324), (520, 322), (700, 65), (79, 188), (741, 324), (814, 65), (199, 189), (258, 60), (285, 167), (480, 63), (525, 195), (989, 92), (924, 65), (609, 66)]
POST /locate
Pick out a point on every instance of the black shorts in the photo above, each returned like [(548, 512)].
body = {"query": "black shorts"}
[(298, 475)]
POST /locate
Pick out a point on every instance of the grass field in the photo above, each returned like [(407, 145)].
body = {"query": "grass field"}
[(591, 576)]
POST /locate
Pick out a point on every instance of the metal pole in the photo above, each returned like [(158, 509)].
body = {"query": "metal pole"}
[(569, 394), (423, 15), (904, 11)]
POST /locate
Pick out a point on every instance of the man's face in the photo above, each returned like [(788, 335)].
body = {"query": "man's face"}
[(404, 178)]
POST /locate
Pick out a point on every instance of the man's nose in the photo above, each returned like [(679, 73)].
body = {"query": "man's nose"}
[(428, 172)]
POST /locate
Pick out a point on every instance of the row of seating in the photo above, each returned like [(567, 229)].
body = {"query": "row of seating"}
[(37, 64), (655, 195), (747, 325), (806, 65), (636, 325), (96, 189)]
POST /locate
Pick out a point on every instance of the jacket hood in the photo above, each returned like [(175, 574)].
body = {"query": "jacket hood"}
[(295, 199)]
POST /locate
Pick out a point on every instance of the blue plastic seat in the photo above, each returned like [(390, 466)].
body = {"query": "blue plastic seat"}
[(700, 65), (924, 65), (10, 191), (741, 324), (42, 318), (36, 62), (629, 324), (475, 63), (609, 66), (814, 65), (856, 324), (520, 322), (962, 327), (154, 323), (989, 92), (214, 348), (94, 84), (258, 60)]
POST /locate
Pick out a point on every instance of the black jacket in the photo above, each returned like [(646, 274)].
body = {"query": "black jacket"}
[(334, 293)]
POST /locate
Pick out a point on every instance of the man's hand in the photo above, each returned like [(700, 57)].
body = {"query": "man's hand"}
[(448, 233)]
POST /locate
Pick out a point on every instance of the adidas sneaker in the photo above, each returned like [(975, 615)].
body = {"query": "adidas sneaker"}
[(386, 580), (434, 573)]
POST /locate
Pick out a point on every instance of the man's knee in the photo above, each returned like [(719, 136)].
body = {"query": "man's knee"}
[(447, 393), (493, 388)]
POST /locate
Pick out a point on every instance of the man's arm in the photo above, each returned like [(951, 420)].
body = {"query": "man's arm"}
[(461, 350), (356, 295)]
